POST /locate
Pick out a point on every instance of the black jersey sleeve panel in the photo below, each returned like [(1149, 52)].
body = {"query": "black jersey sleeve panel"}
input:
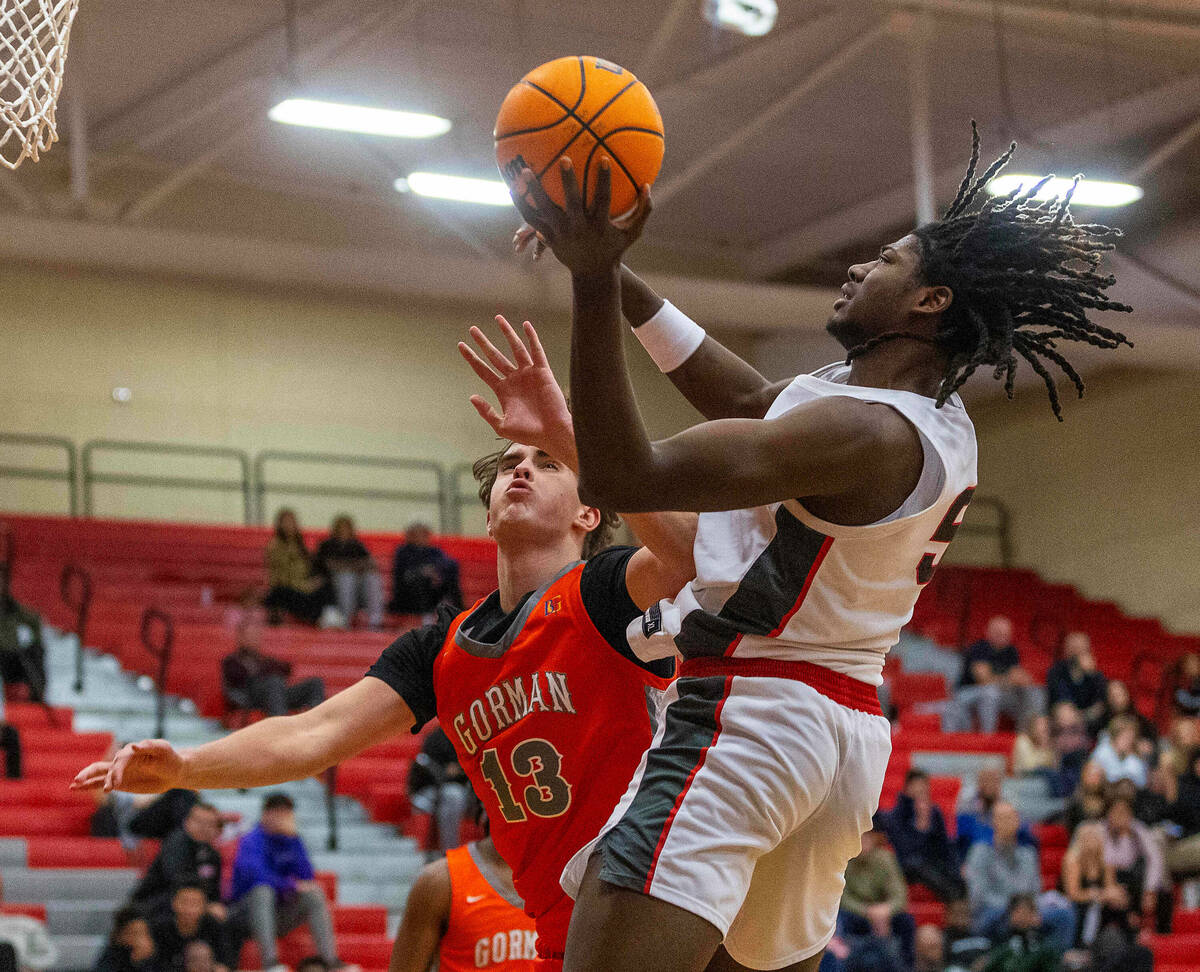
[(606, 599), (406, 665)]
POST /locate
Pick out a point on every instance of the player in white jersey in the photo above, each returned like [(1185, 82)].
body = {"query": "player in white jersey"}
[(825, 505)]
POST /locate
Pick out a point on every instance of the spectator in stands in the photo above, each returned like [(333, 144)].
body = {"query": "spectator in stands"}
[(1090, 799), (22, 653), (1183, 812), (198, 956), (930, 950), (294, 587), (189, 921), (1074, 677), (1034, 753), (1137, 861), (992, 683), (875, 898), (1073, 743), (422, 575), (32, 947), (975, 816), (1118, 950), (351, 572), (1116, 753), (1022, 945), (1185, 693), (997, 871), (1118, 702), (188, 855), (965, 947), (917, 831), (274, 889), (438, 786), (253, 680), (130, 947), (1091, 884), (1182, 739)]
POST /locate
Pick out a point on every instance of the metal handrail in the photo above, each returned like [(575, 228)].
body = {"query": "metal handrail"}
[(262, 485), (457, 498), (1001, 529), (66, 586), (162, 651), (70, 476), (91, 478)]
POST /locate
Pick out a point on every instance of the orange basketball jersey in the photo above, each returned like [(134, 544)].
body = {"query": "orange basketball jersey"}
[(549, 723), (485, 930)]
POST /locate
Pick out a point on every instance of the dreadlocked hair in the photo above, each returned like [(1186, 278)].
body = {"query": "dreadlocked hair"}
[(1024, 276)]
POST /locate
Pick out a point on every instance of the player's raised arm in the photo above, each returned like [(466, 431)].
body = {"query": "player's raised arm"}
[(268, 752)]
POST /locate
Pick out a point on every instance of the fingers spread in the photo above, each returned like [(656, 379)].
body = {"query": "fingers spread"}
[(479, 366), (571, 192), (498, 360), (520, 352), (537, 352), (603, 200), (487, 412)]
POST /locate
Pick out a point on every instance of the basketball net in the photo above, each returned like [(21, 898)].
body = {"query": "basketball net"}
[(33, 54)]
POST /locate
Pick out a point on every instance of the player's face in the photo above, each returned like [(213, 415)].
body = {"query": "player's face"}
[(878, 295), (537, 496)]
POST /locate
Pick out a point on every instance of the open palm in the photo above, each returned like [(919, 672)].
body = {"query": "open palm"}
[(533, 410)]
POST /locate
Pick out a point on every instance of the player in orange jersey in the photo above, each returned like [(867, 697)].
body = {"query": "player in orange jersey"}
[(464, 910), (536, 685)]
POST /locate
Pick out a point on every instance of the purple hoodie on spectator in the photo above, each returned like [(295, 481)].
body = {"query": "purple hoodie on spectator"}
[(278, 860)]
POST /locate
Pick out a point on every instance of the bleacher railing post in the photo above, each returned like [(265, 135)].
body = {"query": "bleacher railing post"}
[(71, 574), (155, 619)]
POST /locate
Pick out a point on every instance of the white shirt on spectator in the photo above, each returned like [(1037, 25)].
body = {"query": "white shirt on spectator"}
[(1131, 767)]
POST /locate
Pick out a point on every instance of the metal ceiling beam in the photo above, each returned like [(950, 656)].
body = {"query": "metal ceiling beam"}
[(1164, 153), (1162, 105), (662, 37), (822, 73)]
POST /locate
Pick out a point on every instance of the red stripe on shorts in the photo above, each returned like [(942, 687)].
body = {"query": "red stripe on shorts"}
[(840, 688), (662, 840)]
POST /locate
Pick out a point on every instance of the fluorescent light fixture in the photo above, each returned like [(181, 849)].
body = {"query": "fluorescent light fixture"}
[(750, 17), (356, 118), (489, 192), (1091, 192)]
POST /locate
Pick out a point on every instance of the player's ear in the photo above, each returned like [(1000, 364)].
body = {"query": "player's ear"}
[(488, 514), (589, 518), (933, 300)]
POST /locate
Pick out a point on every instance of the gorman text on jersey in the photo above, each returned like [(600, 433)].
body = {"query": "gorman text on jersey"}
[(507, 703)]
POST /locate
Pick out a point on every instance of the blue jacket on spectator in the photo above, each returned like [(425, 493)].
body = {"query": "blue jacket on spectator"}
[(908, 842), (277, 860), (976, 828)]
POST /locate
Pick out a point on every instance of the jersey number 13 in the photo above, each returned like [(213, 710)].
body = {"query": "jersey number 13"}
[(546, 794)]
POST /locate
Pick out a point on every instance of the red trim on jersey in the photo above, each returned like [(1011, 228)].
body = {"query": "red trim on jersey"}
[(662, 840), (733, 645), (808, 582), (840, 688)]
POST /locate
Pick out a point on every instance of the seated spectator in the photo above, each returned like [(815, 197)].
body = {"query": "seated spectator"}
[(294, 587), (1091, 884), (1073, 743), (188, 856), (1021, 945), (1181, 741), (1034, 753), (1118, 950), (974, 820), (253, 680), (930, 950), (965, 947), (1137, 861), (438, 786), (997, 871), (1090, 799), (875, 900), (1074, 677), (30, 942), (1116, 753), (992, 683), (1183, 850), (423, 576), (1118, 702), (917, 832), (274, 890), (130, 947), (351, 572), (1185, 686), (198, 956), (22, 653), (189, 921)]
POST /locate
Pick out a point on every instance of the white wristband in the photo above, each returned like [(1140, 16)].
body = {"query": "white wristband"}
[(670, 337)]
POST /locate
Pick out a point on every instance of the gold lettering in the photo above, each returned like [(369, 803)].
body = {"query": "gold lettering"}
[(560, 695), (496, 700), (516, 698), (535, 694), (483, 728), (464, 735)]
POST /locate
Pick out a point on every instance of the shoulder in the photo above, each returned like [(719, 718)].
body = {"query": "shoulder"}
[(431, 892)]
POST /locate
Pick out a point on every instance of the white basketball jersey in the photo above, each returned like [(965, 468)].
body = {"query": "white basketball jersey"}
[(777, 582)]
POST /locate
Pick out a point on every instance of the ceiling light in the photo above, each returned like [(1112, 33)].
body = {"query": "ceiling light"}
[(750, 17), (489, 192), (356, 118), (1090, 192)]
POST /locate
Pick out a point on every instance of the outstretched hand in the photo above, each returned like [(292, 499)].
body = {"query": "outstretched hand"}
[(150, 766), (533, 410), (583, 237)]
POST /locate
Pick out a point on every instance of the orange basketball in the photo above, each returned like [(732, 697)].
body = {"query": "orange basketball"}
[(587, 109)]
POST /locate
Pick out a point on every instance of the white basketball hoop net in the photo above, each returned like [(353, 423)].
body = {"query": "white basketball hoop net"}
[(33, 54)]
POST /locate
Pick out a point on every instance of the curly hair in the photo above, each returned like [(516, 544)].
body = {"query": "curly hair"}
[(485, 470), (1024, 276)]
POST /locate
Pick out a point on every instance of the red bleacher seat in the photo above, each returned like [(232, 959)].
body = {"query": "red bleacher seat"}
[(910, 688), (63, 821), (75, 852), (1180, 949), (1187, 922), (37, 911)]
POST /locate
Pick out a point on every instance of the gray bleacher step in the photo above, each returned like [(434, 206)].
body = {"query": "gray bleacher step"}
[(364, 867), (50, 884), (12, 852), (919, 654), (78, 951), (966, 766), (309, 811), (85, 917), (363, 837), (391, 894)]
